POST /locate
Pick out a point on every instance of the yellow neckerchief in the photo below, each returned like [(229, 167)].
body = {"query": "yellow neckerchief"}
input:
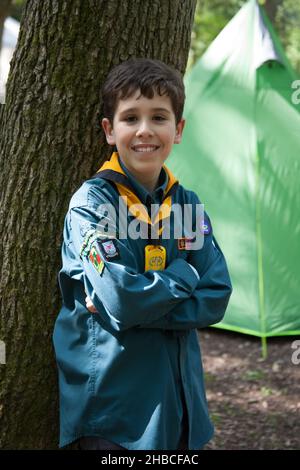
[(112, 171)]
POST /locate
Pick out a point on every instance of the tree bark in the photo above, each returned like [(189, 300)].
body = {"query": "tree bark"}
[(4, 12), (49, 144)]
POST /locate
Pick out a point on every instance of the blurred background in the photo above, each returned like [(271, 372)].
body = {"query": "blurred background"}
[(210, 18)]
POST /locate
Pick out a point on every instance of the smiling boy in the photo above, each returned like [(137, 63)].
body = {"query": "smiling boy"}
[(144, 131), (130, 371)]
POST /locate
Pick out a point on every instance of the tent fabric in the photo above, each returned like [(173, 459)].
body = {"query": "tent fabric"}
[(241, 154)]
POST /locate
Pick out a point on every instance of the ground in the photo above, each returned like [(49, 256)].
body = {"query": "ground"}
[(254, 403)]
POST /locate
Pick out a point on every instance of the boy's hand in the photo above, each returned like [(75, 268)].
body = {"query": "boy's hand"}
[(90, 306)]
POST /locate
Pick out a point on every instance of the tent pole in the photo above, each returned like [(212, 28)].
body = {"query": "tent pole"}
[(260, 271), (264, 351)]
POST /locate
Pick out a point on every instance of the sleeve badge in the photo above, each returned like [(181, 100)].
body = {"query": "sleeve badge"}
[(109, 249), (96, 260)]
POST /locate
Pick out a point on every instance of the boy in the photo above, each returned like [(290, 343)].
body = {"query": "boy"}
[(130, 371)]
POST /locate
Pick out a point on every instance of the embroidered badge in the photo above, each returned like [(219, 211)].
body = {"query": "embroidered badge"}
[(185, 243), (86, 227), (96, 260), (90, 237), (205, 226), (109, 249)]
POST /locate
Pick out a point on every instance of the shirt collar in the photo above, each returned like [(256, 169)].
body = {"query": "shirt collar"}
[(143, 194)]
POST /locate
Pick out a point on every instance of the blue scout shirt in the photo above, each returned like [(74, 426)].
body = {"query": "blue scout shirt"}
[(122, 370)]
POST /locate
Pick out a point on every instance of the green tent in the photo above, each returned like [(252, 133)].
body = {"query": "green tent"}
[(241, 154)]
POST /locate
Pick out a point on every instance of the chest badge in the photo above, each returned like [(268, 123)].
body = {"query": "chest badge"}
[(185, 243)]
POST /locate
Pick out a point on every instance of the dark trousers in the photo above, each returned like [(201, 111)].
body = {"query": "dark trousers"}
[(97, 443), (183, 442)]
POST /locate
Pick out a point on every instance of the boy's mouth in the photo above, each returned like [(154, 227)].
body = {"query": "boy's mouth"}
[(143, 148)]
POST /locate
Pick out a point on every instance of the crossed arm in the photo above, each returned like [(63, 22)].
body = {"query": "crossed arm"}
[(187, 294)]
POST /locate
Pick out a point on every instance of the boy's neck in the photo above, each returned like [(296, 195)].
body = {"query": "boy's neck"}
[(149, 183)]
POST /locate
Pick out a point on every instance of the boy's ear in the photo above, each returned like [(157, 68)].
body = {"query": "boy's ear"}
[(179, 130), (109, 133)]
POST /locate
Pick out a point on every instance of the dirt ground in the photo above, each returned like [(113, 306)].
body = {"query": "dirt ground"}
[(254, 403)]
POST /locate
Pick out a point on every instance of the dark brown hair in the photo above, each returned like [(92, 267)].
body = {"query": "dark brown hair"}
[(147, 75)]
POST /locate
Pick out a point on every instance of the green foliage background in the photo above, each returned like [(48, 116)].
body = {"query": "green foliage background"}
[(212, 15), (17, 8)]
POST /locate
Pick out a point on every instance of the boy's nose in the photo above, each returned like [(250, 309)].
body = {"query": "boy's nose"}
[(144, 129)]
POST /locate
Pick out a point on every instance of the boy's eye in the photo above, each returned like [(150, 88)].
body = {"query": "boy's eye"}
[(159, 118), (130, 118)]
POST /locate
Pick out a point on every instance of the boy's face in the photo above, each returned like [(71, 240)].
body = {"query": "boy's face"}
[(144, 131)]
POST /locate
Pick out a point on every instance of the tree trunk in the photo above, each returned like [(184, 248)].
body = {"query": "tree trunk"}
[(49, 144), (4, 11)]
